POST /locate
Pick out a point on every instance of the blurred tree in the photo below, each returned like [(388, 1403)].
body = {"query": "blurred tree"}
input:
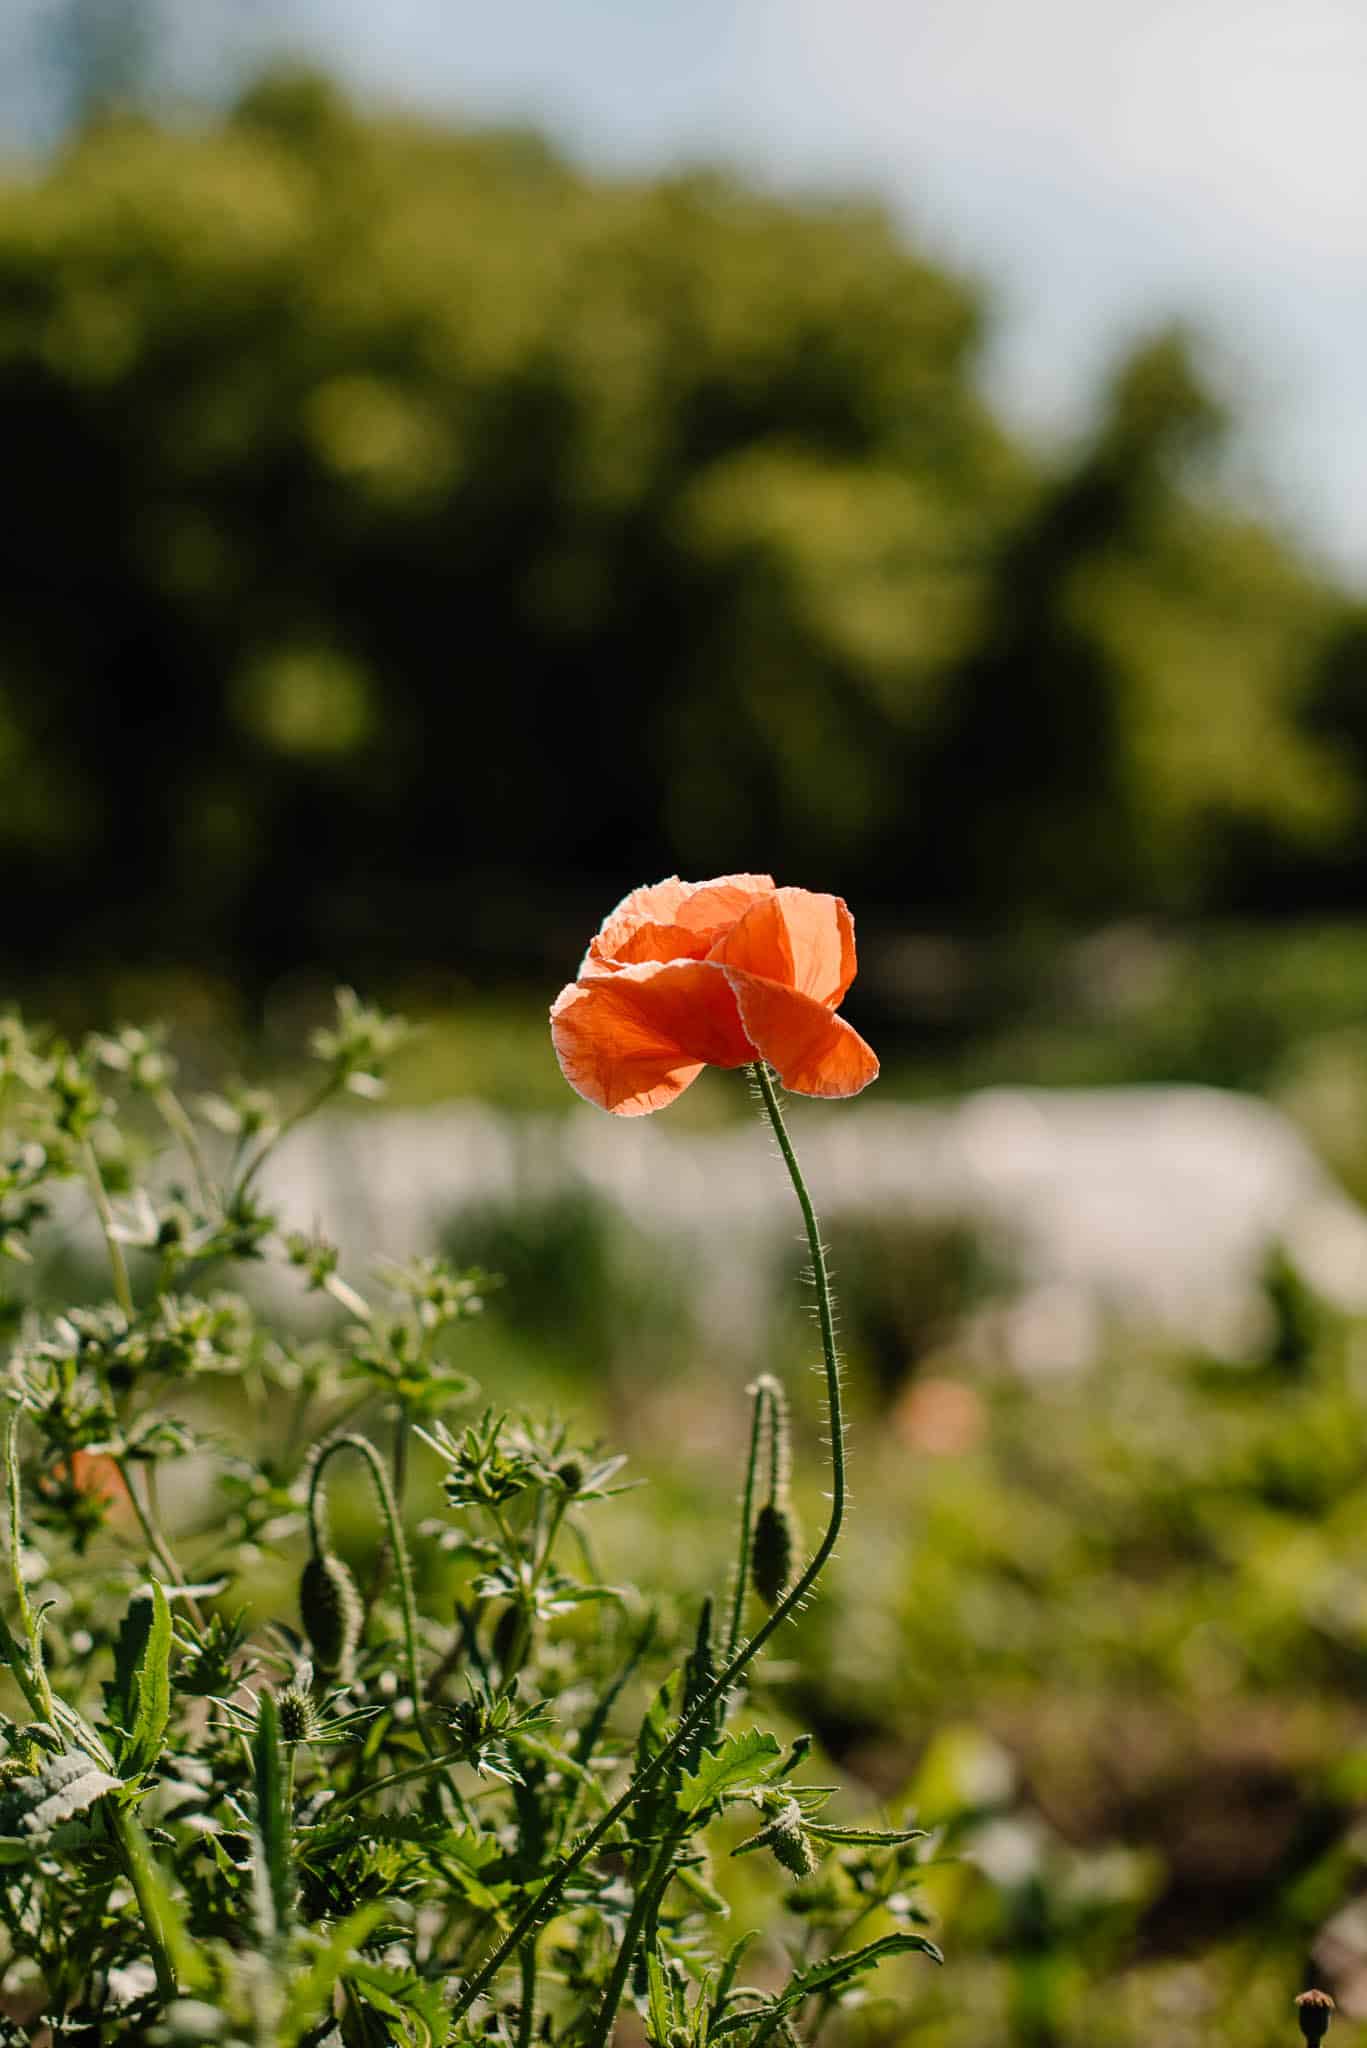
[(412, 527)]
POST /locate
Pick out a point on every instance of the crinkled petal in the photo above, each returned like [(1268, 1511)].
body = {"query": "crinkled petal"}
[(633, 1040), (672, 920), (813, 1051), (796, 937)]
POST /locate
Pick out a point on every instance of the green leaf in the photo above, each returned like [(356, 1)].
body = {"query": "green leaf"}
[(872, 1838), (418, 2005), (662, 2006), (328, 1959), (730, 1969), (33, 1806), (831, 1975), (704, 1894), (147, 1696), (741, 1763)]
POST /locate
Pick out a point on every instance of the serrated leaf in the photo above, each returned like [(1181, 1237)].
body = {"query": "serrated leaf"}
[(418, 2005), (740, 1763), (330, 1957), (662, 2000), (871, 1838), (33, 1806), (830, 1975), (149, 1695)]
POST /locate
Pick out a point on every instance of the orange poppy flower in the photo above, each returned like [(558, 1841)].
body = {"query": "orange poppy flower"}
[(687, 975)]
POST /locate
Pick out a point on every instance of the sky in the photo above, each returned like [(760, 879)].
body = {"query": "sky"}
[(1102, 165)]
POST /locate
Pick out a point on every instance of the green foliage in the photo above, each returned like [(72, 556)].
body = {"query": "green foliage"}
[(492, 1809), (578, 527)]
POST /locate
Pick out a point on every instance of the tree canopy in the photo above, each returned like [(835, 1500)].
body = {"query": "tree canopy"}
[(407, 526)]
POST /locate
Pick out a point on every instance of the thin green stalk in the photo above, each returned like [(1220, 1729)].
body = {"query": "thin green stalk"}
[(539, 1908), (398, 1549), (517, 1655), (177, 1118), (386, 1784), (321, 1095), (118, 1264), (760, 1397), (34, 1687), (154, 1538)]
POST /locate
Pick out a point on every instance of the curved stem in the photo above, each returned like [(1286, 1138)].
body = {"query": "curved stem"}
[(548, 1897), (403, 1571)]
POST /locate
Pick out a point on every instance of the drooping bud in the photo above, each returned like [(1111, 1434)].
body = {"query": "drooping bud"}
[(789, 1843), (1314, 2010), (331, 1611), (784, 1835), (772, 1551)]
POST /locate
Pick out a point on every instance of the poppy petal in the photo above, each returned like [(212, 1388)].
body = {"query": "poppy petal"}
[(672, 920), (632, 1041), (796, 937), (813, 1051)]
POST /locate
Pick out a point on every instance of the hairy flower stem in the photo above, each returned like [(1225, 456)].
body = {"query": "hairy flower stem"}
[(403, 1571), (540, 1908)]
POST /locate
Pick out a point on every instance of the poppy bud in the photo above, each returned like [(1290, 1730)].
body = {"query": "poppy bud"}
[(785, 1835), (330, 1609), (771, 1556), (297, 1717), (1314, 2010), (792, 1848)]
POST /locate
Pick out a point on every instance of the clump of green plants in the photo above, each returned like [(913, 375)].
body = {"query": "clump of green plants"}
[(260, 1788)]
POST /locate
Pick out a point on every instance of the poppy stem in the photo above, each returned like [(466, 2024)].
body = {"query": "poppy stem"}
[(541, 1907)]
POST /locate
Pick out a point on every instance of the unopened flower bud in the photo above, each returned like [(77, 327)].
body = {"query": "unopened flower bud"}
[(297, 1717), (793, 1850), (771, 1556), (330, 1609), (1314, 2010)]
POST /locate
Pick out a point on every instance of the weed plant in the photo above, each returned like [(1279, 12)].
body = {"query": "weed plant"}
[(469, 1793)]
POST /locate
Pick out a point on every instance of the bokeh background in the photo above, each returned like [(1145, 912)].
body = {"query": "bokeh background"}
[(460, 463)]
